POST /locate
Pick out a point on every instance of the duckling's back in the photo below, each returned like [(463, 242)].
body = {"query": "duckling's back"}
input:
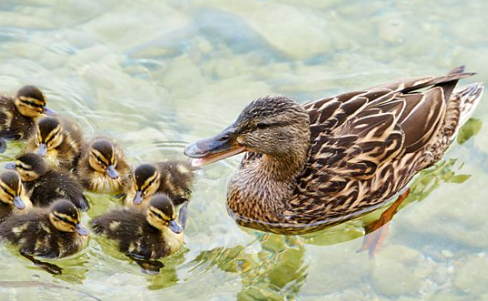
[(176, 180), (33, 233), (134, 236)]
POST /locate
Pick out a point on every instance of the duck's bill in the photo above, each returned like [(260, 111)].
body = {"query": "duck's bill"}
[(173, 226), (207, 151), (48, 111), (42, 149), (18, 203), (112, 172), (138, 198), (10, 165), (81, 230)]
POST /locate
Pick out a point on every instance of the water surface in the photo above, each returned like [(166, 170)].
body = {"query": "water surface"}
[(159, 74)]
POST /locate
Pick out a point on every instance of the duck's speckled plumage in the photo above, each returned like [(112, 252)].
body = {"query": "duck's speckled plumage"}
[(362, 147)]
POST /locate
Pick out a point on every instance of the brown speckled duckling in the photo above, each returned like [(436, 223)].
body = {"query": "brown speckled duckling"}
[(45, 185), (144, 235), (173, 178), (58, 140), (13, 199), (53, 232), (102, 167), (18, 115)]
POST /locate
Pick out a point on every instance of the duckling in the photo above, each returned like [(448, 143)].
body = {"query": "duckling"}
[(102, 167), (173, 178), (53, 232), (58, 140), (147, 235), (45, 185), (13, 199), (18, 115)]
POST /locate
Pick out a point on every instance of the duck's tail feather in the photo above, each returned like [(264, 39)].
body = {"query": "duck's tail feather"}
[(470, 96)]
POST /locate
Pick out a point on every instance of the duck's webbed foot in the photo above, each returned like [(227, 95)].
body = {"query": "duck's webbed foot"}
[(377, 231), (147, 266), (48, 267)]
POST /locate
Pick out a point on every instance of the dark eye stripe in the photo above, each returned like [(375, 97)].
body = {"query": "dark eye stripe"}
[(65, 220), (7, 192), (31, 103), (23, 168)]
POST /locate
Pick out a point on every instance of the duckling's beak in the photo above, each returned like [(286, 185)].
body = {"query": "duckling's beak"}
[(48, 111), (18, 203), (138, 198), (214, 149), (10, 165), (42, 149), (173, 226), (112, 173), (81, 230)]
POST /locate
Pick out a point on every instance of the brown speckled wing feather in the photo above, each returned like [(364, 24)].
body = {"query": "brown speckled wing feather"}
[(357, 137)]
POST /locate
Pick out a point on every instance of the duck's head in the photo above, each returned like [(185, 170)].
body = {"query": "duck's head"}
[(64, 216), (49, 135), (275, 126), (146, 182), (161, 214), (30, 102), (11, 189), (102, 158), (30, 166)]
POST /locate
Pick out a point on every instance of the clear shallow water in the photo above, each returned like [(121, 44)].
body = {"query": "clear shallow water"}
[(159, 74)]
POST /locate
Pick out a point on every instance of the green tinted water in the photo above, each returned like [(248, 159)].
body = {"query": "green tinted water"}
[(160, 74)]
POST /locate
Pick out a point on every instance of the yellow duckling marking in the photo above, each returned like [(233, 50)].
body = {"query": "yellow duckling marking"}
[(45, 228), (182, 169), (114, 225), (18, 230)]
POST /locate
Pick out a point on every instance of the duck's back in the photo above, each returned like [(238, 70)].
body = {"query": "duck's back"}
[(367, 145), (134, 236)]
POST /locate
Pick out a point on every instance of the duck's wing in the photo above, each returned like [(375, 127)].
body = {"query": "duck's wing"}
[(353, 134)]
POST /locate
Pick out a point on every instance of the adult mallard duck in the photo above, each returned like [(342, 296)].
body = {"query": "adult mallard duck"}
[(309, 166)]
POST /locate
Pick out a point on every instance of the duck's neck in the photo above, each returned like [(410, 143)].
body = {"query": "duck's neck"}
[(261, 188)]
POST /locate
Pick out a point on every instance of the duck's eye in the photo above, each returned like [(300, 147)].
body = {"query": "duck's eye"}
[(262, 125), (223, 138)]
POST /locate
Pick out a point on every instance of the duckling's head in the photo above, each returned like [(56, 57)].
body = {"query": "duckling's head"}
[(146, 182), (103, 159), (30, 102), (161, 214), (49, 134), (30, 166), (11, 189), (275, 126), (66, 218)]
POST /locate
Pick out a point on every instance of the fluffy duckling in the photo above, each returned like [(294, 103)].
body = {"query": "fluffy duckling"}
[(146, 235), (45, 185), (53, 232), (102, 167), (173, 178), (58, 140), (13, 199), (18, 115)]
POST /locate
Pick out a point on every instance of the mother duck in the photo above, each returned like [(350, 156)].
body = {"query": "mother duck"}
[(313, 165)]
